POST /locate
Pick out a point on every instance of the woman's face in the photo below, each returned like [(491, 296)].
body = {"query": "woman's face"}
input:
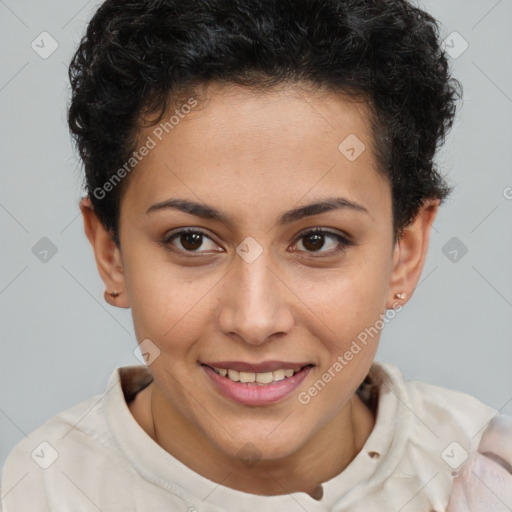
[(251, 285)]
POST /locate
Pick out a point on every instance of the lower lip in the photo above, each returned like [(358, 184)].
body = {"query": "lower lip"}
[(252, 394)]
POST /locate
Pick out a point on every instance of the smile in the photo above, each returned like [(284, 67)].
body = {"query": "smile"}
[(256, 388), (257, 378)]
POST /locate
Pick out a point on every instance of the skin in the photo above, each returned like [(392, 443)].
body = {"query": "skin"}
[(255, 156)]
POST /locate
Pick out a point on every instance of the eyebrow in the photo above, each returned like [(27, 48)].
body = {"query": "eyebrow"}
[(208, 212)]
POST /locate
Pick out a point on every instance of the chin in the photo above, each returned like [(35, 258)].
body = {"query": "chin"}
[(261, 447)]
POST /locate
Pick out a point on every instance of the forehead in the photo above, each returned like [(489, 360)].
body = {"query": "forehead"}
[(240, 145)]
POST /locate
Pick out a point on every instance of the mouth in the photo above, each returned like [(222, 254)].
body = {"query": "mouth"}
[(248, 384)]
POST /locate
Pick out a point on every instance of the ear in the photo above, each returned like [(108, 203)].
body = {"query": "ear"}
[(410, 253), (108, 256)]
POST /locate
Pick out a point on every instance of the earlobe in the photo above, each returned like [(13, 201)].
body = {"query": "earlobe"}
[(107, 256), (410, 253)]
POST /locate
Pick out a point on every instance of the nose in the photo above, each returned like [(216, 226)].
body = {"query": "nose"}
[(255, 303)]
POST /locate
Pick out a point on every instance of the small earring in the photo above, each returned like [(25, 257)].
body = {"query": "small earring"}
[(400, 295), (114, 294)]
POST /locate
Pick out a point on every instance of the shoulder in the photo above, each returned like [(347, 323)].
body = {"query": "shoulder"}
[(74, 461), (29, 463), (429, 405), (456, 407), (437, 429), (450, 422), (63, 449), (444, 411)]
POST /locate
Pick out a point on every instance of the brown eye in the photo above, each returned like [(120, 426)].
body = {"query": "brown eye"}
[(189, 241), (314, 241)]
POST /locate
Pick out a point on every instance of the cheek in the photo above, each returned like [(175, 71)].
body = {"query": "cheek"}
[(352, 299), (351, 307), (168, 307)]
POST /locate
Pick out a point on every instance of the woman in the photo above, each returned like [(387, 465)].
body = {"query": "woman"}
[(260, 192)]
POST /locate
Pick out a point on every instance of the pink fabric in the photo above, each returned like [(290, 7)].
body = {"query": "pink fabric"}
[(484, 483)]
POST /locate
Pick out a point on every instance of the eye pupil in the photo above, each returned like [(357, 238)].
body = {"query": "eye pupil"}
[(317, 244), (191, 241)]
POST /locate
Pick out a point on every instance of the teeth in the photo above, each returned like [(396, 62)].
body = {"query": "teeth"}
[(259, 378), (247, 377), (264, 378), (234, 375), (279, 375)]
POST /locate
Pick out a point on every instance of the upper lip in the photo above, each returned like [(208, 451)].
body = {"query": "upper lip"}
[(266, 366)]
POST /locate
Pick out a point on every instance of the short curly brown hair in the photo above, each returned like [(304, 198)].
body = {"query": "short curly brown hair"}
[(142, 55)]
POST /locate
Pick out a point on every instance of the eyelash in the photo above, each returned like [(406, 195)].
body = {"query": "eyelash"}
[(343, 241)]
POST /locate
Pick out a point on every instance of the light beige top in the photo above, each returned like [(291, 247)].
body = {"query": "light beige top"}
[(96, 457)]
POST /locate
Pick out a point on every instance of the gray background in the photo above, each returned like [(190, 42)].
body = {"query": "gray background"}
[(60, 341)]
